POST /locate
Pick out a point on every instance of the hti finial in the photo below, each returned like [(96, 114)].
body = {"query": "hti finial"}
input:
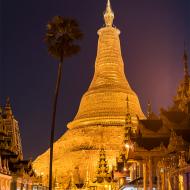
[(108, 15)]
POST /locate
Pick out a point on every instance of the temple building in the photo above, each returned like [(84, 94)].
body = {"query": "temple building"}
[(15, 173), (111, 144), (157, 155)]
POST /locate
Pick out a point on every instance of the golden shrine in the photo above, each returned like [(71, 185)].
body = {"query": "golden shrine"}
[(100, 119)]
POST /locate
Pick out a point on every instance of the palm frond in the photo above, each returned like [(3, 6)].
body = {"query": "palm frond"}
[(61, 35)]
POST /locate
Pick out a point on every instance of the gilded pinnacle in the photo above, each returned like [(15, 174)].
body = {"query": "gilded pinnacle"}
[(185, 59), (149, 110), (108, 15), (8, 109), (128, 115), (8, 102)]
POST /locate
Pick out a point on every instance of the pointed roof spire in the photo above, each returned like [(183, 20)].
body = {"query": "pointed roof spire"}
[(7, 102), (128, 115), (108, 15), (185, 61), (102, 167), (8, 110), (149, 109), (150, 114), (186, 72)]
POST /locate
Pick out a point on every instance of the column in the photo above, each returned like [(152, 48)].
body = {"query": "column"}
[(158, 177), (175, 182), (4, 165), (144, 175), (7, 184), (181, 182), (150, 173), (7, 166), (163, 184), (185, 180), (131, 173), (169, 182)]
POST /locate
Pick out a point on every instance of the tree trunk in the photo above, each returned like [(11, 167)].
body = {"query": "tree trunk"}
[(53, 121)]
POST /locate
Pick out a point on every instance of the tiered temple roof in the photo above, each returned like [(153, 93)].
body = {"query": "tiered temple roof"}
[(11, 157)]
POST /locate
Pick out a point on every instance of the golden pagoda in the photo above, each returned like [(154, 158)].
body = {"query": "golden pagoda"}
[(183, 93), (101, 115)]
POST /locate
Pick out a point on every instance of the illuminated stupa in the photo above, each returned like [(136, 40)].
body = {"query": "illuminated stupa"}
[(101, 116)]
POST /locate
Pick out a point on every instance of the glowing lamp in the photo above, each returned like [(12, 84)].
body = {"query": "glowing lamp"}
[(127, 145)]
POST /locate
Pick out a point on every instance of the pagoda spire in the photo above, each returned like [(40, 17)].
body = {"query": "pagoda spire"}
[(7, 102), (108, 15), (103, 167), (186, 72), (128, 115), (185, 61), (183, 92), (127, 129), (149, 109), (8, 110)]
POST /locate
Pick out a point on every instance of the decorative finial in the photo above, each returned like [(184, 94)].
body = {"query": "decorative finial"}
[(149, 109), (8, 110), (186, 72), (8, 102), (185, 61), (128, 115), (102, 167), (108, 15)]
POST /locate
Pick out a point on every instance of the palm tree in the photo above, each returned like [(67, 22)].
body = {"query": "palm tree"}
[(60, 37)]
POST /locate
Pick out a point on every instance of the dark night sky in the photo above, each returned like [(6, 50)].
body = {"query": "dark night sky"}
[(152, 38)]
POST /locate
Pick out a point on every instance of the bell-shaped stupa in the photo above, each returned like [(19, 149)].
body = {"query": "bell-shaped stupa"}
[(101, 116), (104, 102)]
